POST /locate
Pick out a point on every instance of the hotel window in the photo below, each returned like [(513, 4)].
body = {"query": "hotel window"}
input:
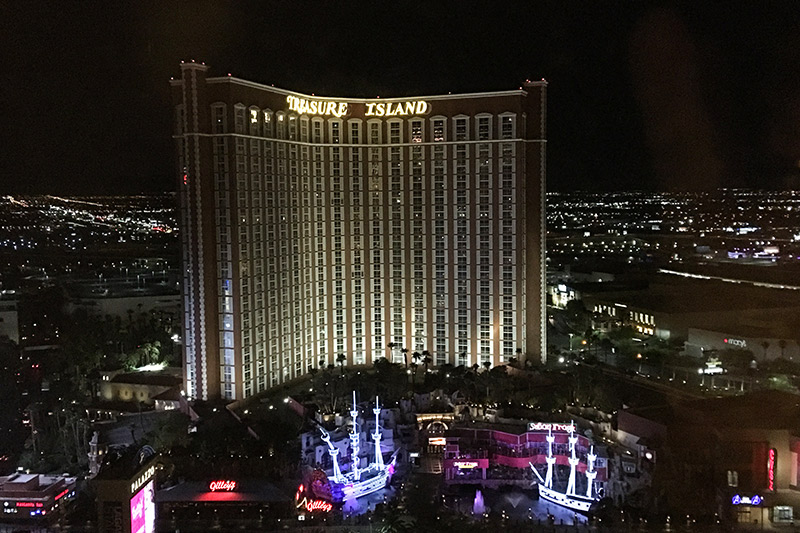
[(355, 131), (335, 131), (395, 132), (253, 120), (484, 127), (292, 128), (281, 126), (218, 118), (461, 129), (438, 129), (416, 131), (304, 129), (239, 118), (269, 129), (375, 132), (317, 131), (507, 127)]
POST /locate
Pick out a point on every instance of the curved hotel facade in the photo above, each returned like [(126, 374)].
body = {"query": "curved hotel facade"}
[(315, 226)]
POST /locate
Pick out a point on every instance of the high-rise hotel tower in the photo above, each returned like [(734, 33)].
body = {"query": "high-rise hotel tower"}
[(319, 227)]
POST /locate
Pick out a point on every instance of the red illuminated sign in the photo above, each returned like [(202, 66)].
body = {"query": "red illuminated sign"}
[(771, 469), (318, 505), (311, 505), (30, 504), (61, 494), (222, 485)]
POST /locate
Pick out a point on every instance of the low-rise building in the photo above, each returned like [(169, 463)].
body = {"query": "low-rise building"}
[(33, 496), (761, 341), (138, 387)]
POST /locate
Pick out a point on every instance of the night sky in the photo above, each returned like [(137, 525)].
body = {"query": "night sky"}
[(642, 95)]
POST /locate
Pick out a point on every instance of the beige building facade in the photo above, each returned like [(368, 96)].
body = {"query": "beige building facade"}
[(314, 227)]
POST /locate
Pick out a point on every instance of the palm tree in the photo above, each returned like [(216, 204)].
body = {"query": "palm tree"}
[(765, 345), (313, 371), (391, 346), (426, 359), (487, 365), (404, 351), (341, 358), (782, 346)]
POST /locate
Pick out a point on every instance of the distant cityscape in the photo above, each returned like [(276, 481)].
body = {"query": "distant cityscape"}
[(663, 311), (725, 224)]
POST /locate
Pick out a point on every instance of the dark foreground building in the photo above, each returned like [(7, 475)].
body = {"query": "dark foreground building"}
[(314, 227), (735, 458)]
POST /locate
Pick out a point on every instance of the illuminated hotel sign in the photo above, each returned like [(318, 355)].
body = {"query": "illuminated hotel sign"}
[(747, 500), (462, 465), (771, 469), (543, 426), (391, 109), (306, 106), (219, 486), (141, 480), (437, 441), (316, 107)]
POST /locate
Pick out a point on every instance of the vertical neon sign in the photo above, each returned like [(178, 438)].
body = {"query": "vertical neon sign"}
[(771, 469)]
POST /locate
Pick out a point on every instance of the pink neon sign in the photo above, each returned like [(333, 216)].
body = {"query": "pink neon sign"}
[(771, 469)]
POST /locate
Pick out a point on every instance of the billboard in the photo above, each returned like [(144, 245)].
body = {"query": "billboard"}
[(143, 510)]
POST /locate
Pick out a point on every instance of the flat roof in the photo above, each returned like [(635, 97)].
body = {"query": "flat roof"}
[(670, 294), (158, 379), (766, 409)]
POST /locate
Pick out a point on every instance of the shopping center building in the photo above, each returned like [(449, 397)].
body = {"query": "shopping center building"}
[(319, 226)]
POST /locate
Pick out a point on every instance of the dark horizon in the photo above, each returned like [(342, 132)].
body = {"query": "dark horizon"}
[(667, 96)]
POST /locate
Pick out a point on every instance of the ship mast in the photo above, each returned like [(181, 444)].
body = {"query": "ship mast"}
[(548, 480), (573, 460), (590, 473), (355, 439), (376, 436), (333, 451)]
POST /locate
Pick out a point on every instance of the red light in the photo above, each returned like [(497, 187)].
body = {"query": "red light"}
[(221, 485), (725, 340), (61, 495)]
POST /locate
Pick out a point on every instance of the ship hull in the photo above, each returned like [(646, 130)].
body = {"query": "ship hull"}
[(363, 487), (580, 504)]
